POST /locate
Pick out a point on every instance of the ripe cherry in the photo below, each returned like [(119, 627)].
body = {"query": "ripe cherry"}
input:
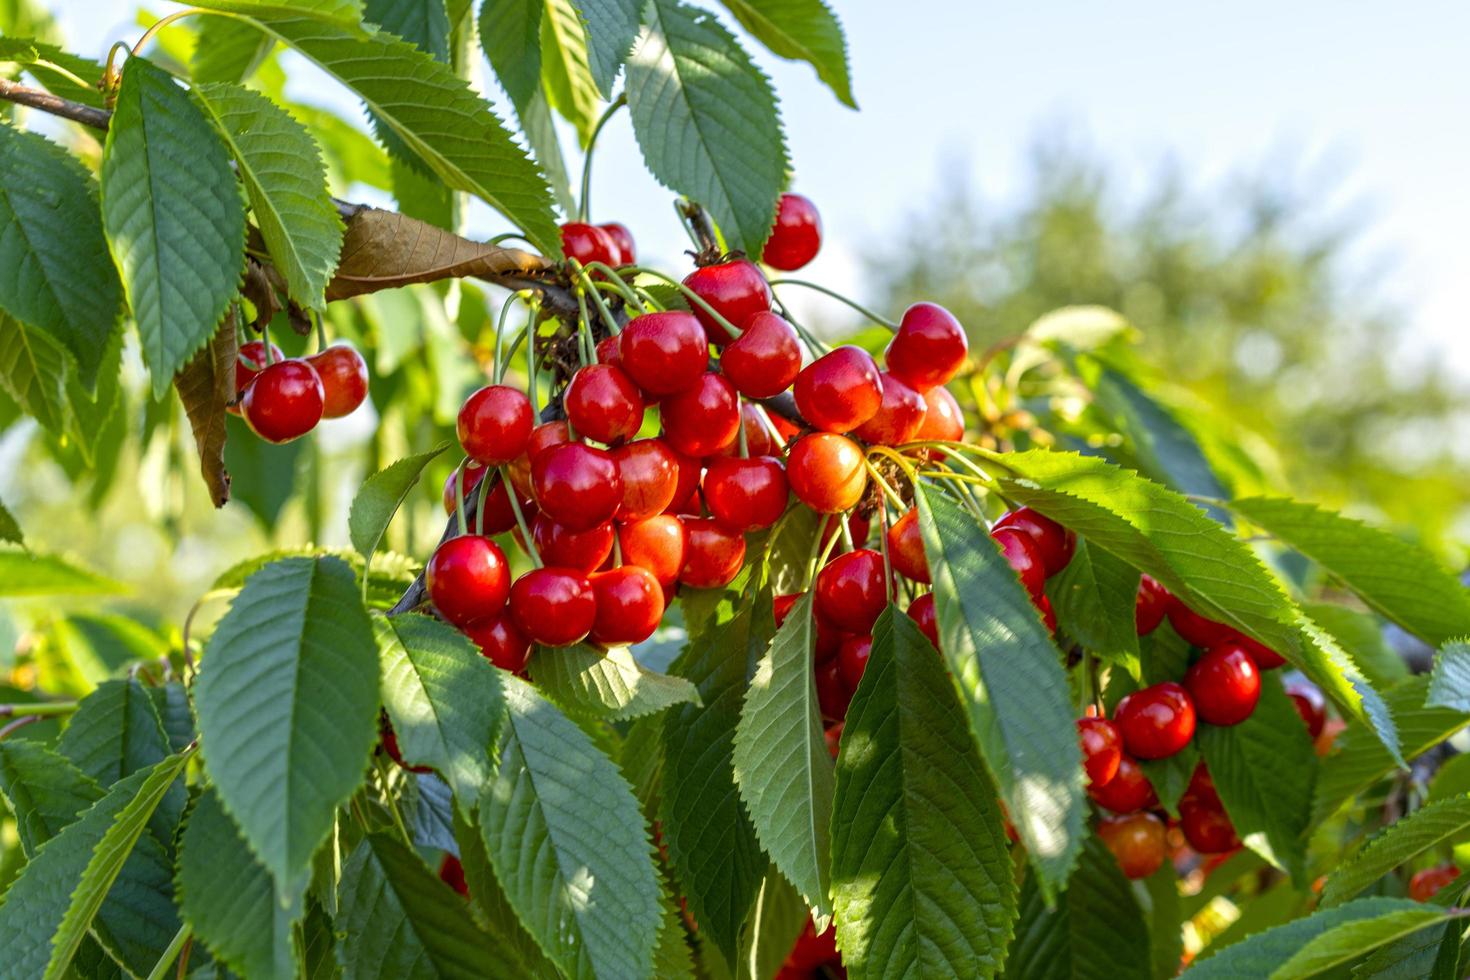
[(1137, 841), (686, 485), (746, 494), (828, 639), (451, 872), (630, 603), (840, 390), (577, 484), (782, 605), (1048, 614), (1206, 825), (1202, 785), (583, 550), (1020, 551), (622, 239), (921, 611), (664, 352), (1310, 703), (713, 554), (1202, 632), (1102, 749), (553, 606), (610, 350), (497, 514), (1427, 883), (797, 235), (473, 473), (467, 578), (603, 403), (1054, 543), (1157, 721), (495, 424), (735, 289), (249, 362), (943, 420), (833, 694), (929, 348), (1151, 606), (852, 659), (899, 418), (765, 359), (1224, 685), (858, 528), (906, 548), (650, 475), (546, 436), (851, 592), (702, 418), (284, 402), (1128, 791), (758, 441), (588, 243), (657, 544), (344, 377), (826, 472), (501, 641), (832, 735)]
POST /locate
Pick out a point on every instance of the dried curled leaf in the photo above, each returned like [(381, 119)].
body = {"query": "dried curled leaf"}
[(206, 385)]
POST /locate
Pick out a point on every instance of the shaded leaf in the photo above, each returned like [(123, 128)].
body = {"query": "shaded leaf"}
[(1342, 944), (588, 680), (425, 23), (1094, 600), (380, 497), (206, 386), (9, 527), (227, 49), (1427, 827), (495, 913), (803, 30), (34, 55), (1449, 683), (46, 792), (776, 920), (565, 73), (263, 474)]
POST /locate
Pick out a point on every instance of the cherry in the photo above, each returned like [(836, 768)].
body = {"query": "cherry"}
[(852, 659), (1157, 721), (1206, 825), (1310, 703), (851, 592), (1137, 841), (1054, 543), (1151, 606), (588, 243), (782, 605), (622, 239), (713, 554), (496, 517), (833, 694), (473, 472), (832, 735), (1048, 614), (495, 424), (840, 390), (467, 578), (828, 639), (1427, 883), (1206, 633), (943, 420), (344, 377), (700, 419), (390, 746), (686, 484), (546, 436), (1224, 685), (451, 872), (1202, 785), (284, 402), (796, 236), (1128, 791), (899, 418), (765, 359), (250, 361), (603, 403), (657, 544), (826, 472), (921, 611), (630, 603), (746, 494), (735, 289), (906, 548), (664, 352), (559, 545), (810, 954), (758, 441), (650, 475), (501, 641), (553, 606), (1020, 551), (929, 348), (1102, 749), (858, 528), (577, 484)]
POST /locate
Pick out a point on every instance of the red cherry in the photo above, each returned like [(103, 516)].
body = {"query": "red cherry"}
[(765, 359), (852, 659), (657, 544), (390, 746), (943, 420), (1202, 785), (899, 418), (630, 603), (497, 517), (610, 350), (826, 472), (1206, 826), (603, 403), (1157, 721), (858, 528), (1054, 543), (1206, 633), (832, 735), (501, 641), (467, 578), (700, 419), (1048, 614), (553, 606), (1151, 606), (851, 590), (546, 436), (811, 954), (686, 485), (840, 390), (650, 475), (929, 347), (746, 494), (921, 611), (284, 402), (250, 361), (1224, 685), (1137, 841), (344, 377), (451, 872), (833, 694), (559, 545), (664, 352), (495, 424), (1102, 749), (906, 548), (1129, 789), (577, 484), (828, 639), (796, 236), (1427, 883), (735, 289), (758, 440), (1310, 703), (473, 473), (588, 243), (1020, 551), (622, 239), (713, 554)]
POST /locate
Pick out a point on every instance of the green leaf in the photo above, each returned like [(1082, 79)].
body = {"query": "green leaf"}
[(425, 23), (568, 844), (1342, 944), (288, 702), (802, 30), (612, 27), (174, 216), (228, 50), (100, 645), (1449, 683), (1433, 954), (114, 732), (1396, 578), (443, 698), (46, 792), (33, 370), (380, 497), (781, 761), (1010, 677), (1094, 599), (263, 474), (508, 935), (1170, 776), (1427, 827), (610, 684), (1164, 915), (54, 270), (24, 573), (9, 527), (34, 55), (281, 168), (345, 13), (1361, 635), (1095, 931), (1451, 779), (706, 121), (922, 881), (565, 72)]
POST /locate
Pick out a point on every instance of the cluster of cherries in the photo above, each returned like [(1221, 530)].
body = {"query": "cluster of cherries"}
[(283, 398)]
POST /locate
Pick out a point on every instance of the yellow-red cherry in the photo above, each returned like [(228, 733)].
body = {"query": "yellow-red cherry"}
[(344, 377), (657, 544), (1137, 841), (827, 472), (1102, 749), (906, 548)]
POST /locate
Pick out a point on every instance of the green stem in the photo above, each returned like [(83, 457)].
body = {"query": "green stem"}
[(615, 281), (484, 487), (170, 953), (613, 327), (321, 332), (585, 347), (694, 298), (497, 365), (392, 801), (531, 392), (515, 507), (459, 518), (511, 235), (883, 320), (510, 353), (41, 709), (684, 223), (582, 205), (740, 430)]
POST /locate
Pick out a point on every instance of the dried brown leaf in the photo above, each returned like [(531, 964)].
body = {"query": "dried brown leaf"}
[(205, 386)]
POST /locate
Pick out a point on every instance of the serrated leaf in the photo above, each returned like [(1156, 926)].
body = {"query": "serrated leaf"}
[(443, 699), (432, 820), (565, 72), (425, 23), (1010, 678), (380, 497), (38, 58), (33, 370), (1427, 827), (206, 385), (9, 527), (287, 699), (281, 167), (263, 474), (346, 13), (610, 684), (174, 217), (1170, 776), (802, 30), (24, 573), (706, 121), (568, 844), (227, 49), (46, 792), (1449, 683), (1361, 635), (54, 270), (776, 920), (1094, 600), (1424, 955), (612, 27), (1162, 910), (174, 711), (922, 882), (495, 913), (1342, 944)]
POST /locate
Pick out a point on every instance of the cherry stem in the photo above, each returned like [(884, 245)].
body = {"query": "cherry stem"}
[(777, 439), (157, 26), (616, 282), (510, 236), (582, 205), (813, 344), (485, 479), (20, 723), (515, 507), (586, 350), (740, 429), (321, 332), (41, 709), (693, 297), (889, 582), (824, 548), (392, 801), (883, 320), (684, 223), (170, 953), (1086, 681), (884, 485), (497, 364), (613, 326), (531, 392), (459, 517), (510, 353), (265, 337)]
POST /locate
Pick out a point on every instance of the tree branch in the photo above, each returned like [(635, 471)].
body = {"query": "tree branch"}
[(55, 105)]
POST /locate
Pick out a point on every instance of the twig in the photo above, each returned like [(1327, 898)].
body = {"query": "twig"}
[(54, 104)]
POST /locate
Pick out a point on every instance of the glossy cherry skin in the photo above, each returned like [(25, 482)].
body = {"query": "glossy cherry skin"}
[(1224, 685), (473, 473), (610, 350), (630, 603), (1048, 614), (1202, 785), (686, 486), (765, 359), (588, 243), (495, 424), (1206, 826), (657, 544), (1310, 703), (943, 420), (496, 517), (1054, 543), (832, 735), (1151, 606), (547, 435), (852, 659), (906, 548), (1427, 883), (797, 235), (826, 472), (1137, 841), (758, 441), (746, 494), (559, 545), (501, 641), (451, 872), (624, 251), (1202, 632), (344, 377), (1128, 791), (840, 390), (850, 592), (899, 418), (467, 579), (833, 694), (1157, 721), (577, 485), (650, 475), (702, 418), (929, 348), (553, 606), (284, 402), (1102, 749), (713, 554), (664, 352), (250, 361), (1020, 551), (921, 611), (735, 289), (603, 403)]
